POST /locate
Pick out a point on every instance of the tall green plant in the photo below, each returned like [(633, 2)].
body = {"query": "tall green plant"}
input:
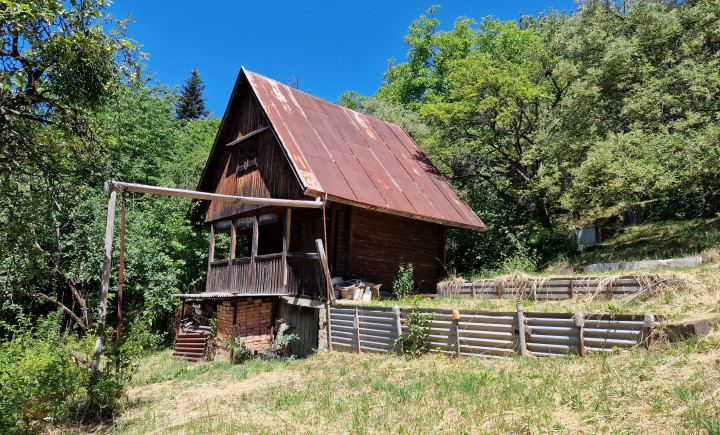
[(413, 342), (402, 283)]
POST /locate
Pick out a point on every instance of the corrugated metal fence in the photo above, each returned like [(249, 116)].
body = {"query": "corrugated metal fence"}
[(547, 288), (490, 334)]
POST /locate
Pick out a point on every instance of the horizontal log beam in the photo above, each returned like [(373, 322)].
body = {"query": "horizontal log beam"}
[(144, 188), (247, 136)]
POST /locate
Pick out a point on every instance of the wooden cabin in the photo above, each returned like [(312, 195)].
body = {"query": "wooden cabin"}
[(380, 199)]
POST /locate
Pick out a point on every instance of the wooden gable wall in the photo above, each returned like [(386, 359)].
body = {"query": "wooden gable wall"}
[(273, 177)]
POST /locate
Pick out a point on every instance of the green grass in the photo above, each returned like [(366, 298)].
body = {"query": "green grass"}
[(655, 240), (673, 389)]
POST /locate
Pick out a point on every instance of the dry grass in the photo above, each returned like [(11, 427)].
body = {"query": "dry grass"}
[(673, 389), (687, 293)]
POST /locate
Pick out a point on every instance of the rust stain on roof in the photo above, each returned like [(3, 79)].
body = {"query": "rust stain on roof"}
[(358, 158)]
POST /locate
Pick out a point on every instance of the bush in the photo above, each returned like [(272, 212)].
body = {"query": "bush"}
[(39, 378), (41, 381), (402, 283), (413, 343)]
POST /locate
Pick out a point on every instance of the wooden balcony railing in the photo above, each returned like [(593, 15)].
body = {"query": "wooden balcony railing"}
[(265, 274)]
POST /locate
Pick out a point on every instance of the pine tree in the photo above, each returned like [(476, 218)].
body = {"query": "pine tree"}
[(191, 104)]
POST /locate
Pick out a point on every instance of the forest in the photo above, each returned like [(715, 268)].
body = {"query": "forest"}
[(538, 122)]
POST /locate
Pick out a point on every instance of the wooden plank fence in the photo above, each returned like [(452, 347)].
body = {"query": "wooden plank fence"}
[(547, 288), (491, 334)]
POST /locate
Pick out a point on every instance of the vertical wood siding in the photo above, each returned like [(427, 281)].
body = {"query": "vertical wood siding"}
[(273, 177)]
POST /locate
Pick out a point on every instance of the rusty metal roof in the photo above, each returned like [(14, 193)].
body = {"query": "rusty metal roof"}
[(357, 159)]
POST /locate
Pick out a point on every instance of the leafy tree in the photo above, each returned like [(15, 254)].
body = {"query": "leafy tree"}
[(191, 104), (60, 63)]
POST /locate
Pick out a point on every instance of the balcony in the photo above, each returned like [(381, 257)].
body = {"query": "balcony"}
[(293, 273)]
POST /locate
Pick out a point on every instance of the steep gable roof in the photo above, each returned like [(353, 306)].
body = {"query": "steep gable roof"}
[(354, 158)]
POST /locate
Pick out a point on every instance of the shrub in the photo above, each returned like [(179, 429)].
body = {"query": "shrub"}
[(402, 283), (413, 343)]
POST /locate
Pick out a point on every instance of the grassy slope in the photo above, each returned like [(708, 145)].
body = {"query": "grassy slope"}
[(654, 240), (671, 390)]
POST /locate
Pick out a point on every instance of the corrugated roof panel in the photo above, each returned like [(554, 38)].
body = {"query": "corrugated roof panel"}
[(397, 200), (356, 157), (366, 130), (421, 203), (373, 168), (329, 134), (391, 163), (459, 204), (362, 186), (308, 102), (341, 122), (330, 175), (305, 134), (381, 127), (442, 205)]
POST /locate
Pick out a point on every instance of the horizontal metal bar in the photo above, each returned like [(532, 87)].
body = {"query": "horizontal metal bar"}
[(144, 188)]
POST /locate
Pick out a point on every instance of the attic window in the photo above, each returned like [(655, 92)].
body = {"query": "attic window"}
[(247, 156)]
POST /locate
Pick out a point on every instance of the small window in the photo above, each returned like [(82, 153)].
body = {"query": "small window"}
[(247, 156)]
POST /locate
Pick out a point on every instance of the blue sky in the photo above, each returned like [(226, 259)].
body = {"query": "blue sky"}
[(333, 46)]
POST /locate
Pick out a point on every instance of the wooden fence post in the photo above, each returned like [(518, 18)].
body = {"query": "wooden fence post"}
[(356, 325), (580, 323), (329, 326), (398, 324), (456, 321), (648, 324), (107, 265), (521, 328)]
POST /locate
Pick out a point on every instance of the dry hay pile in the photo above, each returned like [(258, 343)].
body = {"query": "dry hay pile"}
[(450, 289)]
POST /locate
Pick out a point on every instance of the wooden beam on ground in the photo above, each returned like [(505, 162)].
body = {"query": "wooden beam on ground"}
[(144, 188), (107, 266)]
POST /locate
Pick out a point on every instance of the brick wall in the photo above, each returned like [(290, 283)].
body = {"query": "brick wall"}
[(252, 321)]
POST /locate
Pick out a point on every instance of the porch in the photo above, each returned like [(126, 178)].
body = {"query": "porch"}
[(264, 272)]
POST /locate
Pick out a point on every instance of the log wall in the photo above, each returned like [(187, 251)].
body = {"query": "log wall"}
[(378, 241)]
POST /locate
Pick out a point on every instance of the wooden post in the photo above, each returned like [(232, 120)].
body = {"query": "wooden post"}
[(456, 322), (580, 323), (285, 246), (648, 325), (107, 265), (211, 256), (572, 289), (329, 326), (254, 249), (499, 290), (398, 323), (521, 328), (121, 266), (233, 238), (332, 249), (356, 325), (324, 265)]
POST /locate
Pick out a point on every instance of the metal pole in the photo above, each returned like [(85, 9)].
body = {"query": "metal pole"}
[(107, 264)]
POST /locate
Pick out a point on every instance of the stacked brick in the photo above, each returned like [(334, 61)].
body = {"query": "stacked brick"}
[(252, 321)]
